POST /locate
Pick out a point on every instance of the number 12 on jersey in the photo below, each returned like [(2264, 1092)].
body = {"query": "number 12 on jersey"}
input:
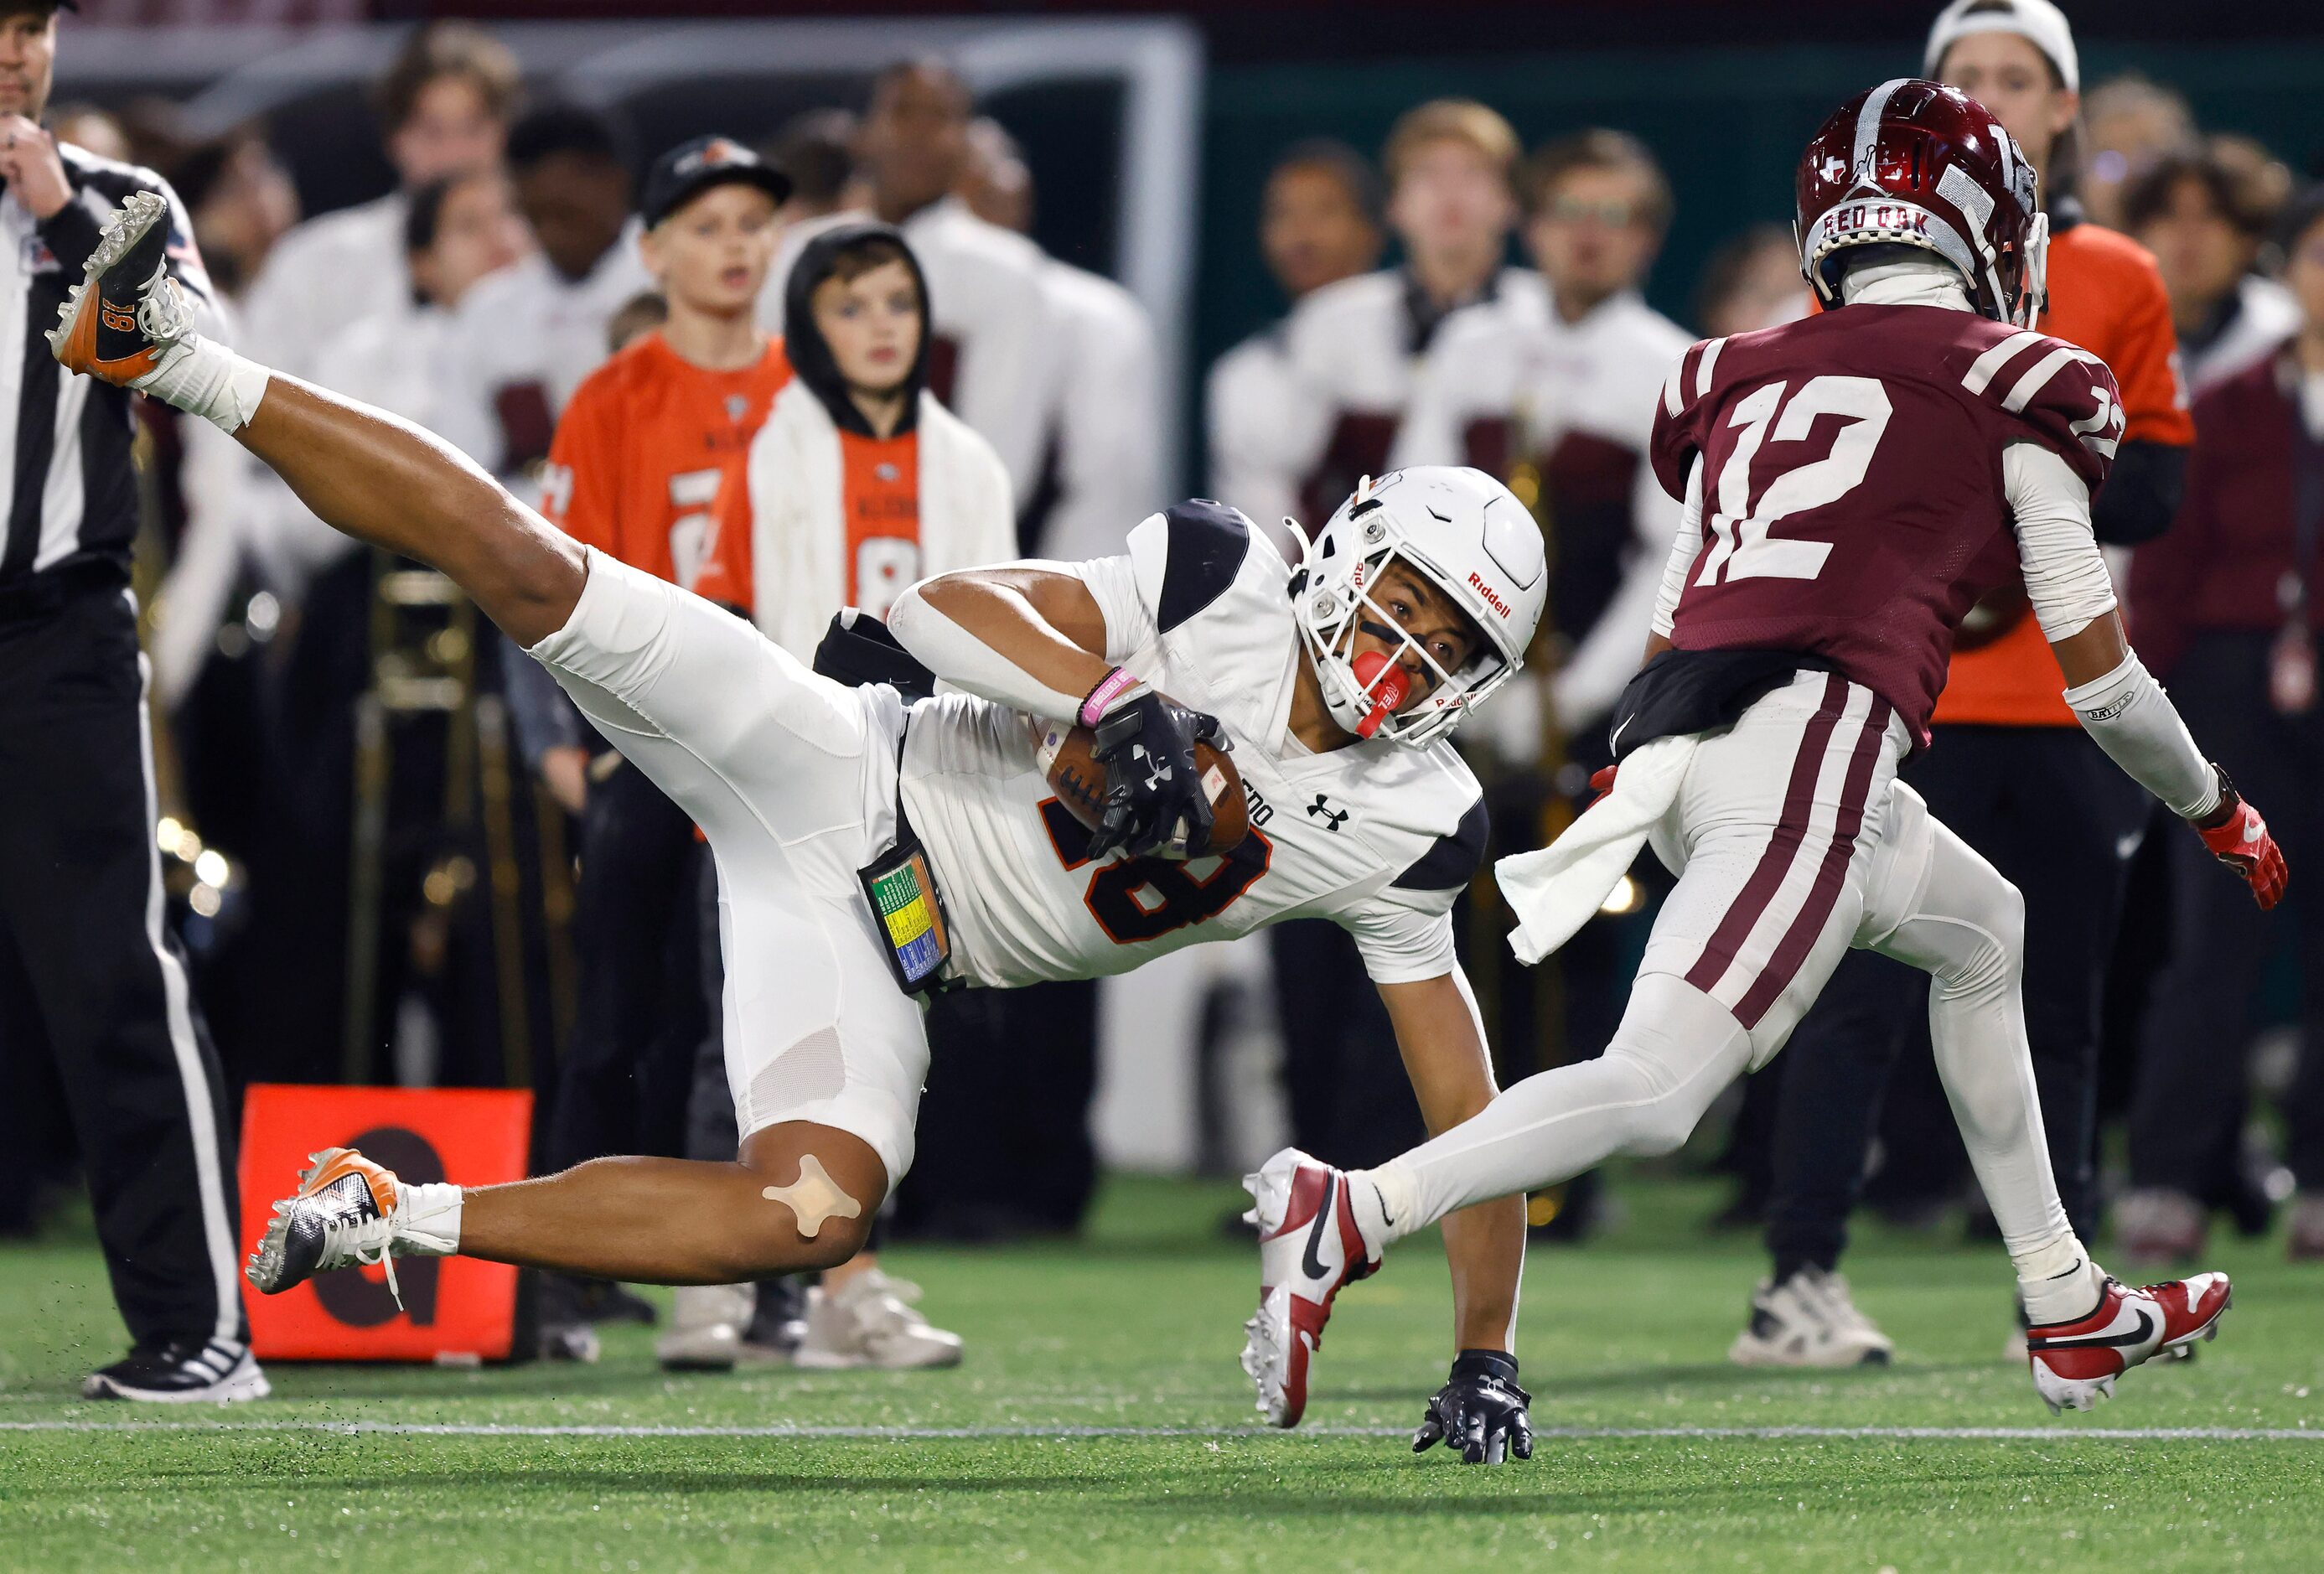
[(1742, 545)]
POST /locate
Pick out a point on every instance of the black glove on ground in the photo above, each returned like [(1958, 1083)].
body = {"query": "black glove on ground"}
[(1481, 1411)]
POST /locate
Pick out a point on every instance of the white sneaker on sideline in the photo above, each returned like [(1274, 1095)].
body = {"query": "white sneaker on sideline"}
[(870, 1322), (1809, 1320)]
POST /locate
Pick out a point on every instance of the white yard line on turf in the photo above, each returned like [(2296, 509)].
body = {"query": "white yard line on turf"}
[(2233, 1434)]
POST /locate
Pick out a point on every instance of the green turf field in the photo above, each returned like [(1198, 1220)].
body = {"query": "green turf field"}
[(1101, 1423)]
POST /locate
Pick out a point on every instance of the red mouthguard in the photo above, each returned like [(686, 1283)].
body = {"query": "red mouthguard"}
[(1388, 691)]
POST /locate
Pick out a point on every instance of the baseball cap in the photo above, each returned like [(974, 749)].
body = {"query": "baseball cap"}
[(690, 168), (2038, 21)]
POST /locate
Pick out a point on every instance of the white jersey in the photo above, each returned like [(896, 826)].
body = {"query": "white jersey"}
[(1249, 389), (321, 277), (1108, 407), (527, 337), (989, 294), (1363, 351), (1378, 836), (1577, 399)]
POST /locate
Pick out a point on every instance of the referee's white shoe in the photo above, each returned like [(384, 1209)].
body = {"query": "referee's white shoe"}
[(190, 1371)]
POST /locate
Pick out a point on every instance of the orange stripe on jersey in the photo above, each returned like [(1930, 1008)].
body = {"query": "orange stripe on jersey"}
[(2105, 296), (650, 464), (881, 497)]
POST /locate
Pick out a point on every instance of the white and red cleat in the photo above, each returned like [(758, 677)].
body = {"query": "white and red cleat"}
[(2076, 1363), (1309, 1247)]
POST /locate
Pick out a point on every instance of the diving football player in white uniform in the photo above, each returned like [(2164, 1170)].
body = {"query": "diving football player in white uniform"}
[(867, 851)]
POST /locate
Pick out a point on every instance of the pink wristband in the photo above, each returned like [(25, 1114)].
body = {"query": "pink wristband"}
[(1109, 688)]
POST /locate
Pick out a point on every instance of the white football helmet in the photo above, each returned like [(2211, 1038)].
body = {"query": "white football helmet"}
[(1471, 537)]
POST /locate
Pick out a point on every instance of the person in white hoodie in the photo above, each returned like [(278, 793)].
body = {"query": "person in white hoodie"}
[(862, 482), (989, 299)]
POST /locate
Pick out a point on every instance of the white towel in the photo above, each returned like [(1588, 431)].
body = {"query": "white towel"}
[(1554, 891)]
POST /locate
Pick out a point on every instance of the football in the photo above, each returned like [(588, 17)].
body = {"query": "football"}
[(1069, 760)]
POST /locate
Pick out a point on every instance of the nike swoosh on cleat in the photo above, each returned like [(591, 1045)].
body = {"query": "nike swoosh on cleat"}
[(1313, 1261), (2097, 1341)]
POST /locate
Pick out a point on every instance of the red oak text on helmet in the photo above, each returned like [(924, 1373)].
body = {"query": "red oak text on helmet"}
[(1920, 164)]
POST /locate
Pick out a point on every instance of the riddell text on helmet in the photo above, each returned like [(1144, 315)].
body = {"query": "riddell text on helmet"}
[(1493, 597)]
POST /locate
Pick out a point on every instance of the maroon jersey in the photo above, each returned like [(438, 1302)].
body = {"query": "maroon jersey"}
[(1852, 499)]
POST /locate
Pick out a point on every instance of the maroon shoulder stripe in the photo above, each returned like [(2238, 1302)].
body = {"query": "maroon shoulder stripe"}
[(1801, 938), (1791, 830)]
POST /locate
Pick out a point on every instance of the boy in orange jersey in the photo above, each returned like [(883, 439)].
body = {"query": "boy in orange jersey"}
[(647, 465), (2007, 750)]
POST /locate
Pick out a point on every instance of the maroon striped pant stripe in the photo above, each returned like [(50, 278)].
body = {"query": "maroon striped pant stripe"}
[(1816, 911), (1791, 830)]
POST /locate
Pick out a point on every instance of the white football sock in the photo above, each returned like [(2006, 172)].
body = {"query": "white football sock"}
[(206, 379), (2058, 1283), (428, 1219)]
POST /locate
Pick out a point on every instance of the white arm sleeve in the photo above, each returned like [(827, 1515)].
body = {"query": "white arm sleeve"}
[(967, 663), (1683, 552), (2066, 576), (2134, 721)]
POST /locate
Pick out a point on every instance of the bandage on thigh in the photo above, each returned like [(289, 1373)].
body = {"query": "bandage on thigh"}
[(815, 1197)]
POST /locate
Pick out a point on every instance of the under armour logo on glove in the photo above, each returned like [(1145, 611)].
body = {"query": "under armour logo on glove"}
[(1330, 816)]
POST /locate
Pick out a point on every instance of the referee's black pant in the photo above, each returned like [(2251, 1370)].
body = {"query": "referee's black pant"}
[(88, 975), (2059, 821)]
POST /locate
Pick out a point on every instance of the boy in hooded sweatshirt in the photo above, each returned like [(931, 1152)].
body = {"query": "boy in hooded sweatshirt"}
[(862, 483)]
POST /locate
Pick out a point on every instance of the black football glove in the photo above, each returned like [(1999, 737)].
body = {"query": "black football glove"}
[(1147, 744), (1481, 1411)]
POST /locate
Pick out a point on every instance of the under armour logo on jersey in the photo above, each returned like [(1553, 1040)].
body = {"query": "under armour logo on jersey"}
[(737, 407), (1321, 809)]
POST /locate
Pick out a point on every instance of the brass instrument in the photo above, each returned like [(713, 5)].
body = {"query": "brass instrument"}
[(423, 663)]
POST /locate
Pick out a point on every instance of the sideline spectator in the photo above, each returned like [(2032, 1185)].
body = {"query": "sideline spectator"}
[(1751, 281), (816, 149), (991, 359), (1364, 349), (242, 201), (2128, 123), (2203, 211), (533, 331), (2229, 605), (444, 107), (1101, 470), (1570, 400), (1320, 221)]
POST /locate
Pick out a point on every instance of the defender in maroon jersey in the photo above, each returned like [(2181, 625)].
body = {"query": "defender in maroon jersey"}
[(1851, 483)]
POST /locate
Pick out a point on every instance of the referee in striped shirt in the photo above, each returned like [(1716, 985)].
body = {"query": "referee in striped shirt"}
[(88, 974)]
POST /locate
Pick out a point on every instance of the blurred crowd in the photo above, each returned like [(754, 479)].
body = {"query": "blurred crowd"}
[(376, 819)]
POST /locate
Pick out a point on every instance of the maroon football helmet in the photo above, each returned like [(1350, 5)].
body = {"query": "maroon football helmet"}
[(1920, 164)]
